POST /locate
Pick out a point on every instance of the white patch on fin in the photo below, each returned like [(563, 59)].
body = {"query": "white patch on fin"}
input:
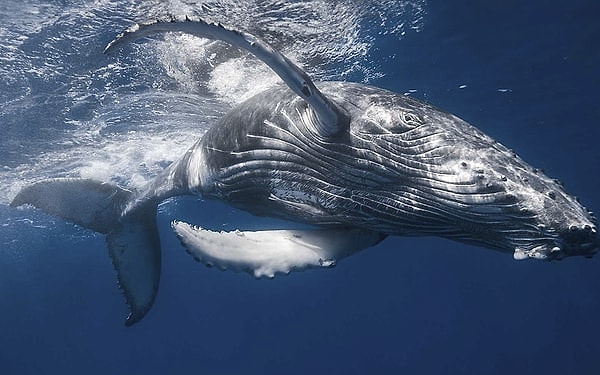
[(265, 253)]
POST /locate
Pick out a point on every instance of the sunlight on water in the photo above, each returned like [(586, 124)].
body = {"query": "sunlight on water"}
[(70, 111)]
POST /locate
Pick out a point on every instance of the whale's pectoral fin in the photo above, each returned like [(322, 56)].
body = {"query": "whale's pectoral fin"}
[(265, 253), (329, 118)]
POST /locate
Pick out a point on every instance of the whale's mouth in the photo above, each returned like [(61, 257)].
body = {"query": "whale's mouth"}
[(581, 240), (577, 241), (544, 252)]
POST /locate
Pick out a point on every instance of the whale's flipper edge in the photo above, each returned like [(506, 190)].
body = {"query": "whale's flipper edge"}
[(132, 239), (330, 119), (269, 252)]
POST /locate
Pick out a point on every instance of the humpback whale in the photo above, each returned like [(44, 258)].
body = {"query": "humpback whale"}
[(352, 162)]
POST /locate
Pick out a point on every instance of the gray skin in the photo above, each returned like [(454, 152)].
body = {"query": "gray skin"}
[(403, 167), (358, 160)]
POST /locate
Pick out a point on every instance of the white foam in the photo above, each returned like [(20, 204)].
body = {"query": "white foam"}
[(124, 118), (326, 38), (239, 79)]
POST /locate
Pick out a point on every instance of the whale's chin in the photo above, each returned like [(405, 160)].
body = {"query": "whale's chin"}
[(559, 249)]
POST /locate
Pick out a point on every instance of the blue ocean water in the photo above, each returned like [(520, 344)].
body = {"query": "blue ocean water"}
[(524, 72)]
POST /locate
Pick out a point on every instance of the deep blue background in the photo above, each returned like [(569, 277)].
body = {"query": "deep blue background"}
[(409, 305)]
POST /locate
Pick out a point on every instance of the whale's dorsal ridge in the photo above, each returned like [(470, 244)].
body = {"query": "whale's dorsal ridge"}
[(330, 119)]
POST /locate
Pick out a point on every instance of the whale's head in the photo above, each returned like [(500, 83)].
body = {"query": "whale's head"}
[(452, 180)]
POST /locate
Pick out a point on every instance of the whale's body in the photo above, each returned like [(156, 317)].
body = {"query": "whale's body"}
[(402, 168), (359, 163)]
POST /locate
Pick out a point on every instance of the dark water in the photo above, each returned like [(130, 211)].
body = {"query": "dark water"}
[(526, 73)]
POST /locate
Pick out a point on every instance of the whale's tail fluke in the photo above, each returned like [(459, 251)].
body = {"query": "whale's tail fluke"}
[(132, 237)]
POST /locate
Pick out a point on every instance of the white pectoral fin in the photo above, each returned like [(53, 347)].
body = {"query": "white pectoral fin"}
[(330, 118), (265, 253)]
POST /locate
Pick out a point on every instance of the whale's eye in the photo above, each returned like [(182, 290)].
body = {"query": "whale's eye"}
[(411, 119)]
